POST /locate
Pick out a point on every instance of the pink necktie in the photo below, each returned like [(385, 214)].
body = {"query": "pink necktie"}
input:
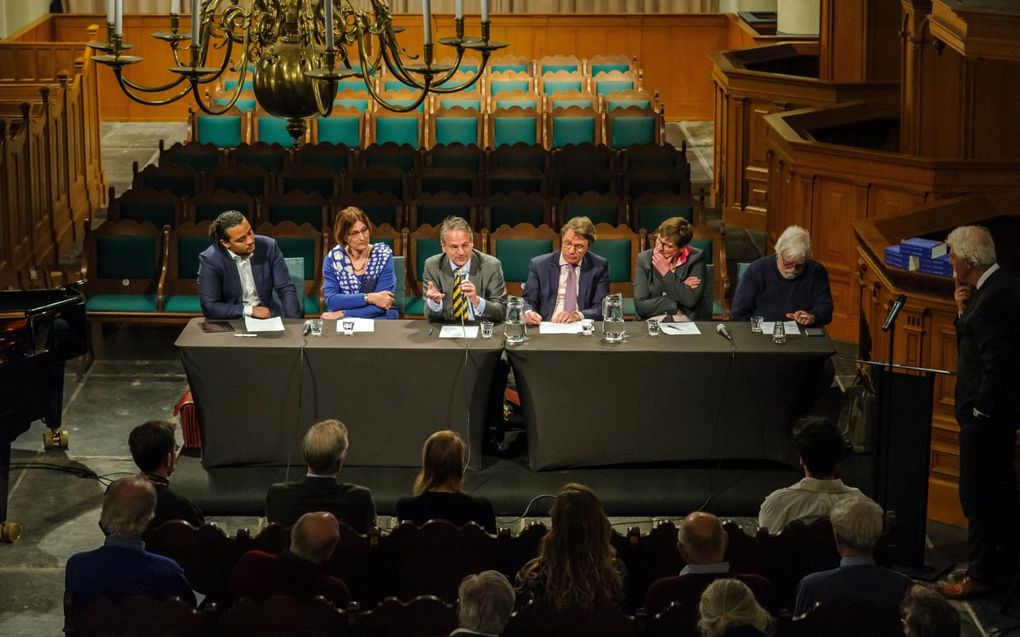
[(570, 293)]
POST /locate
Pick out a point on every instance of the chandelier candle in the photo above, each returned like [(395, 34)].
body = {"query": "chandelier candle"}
[(328, 5), (426, 14)]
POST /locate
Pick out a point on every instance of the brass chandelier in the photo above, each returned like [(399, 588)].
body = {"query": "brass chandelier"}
[(297, 52)]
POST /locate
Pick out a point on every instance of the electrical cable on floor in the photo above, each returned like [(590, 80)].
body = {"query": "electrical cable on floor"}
[(81, 473)]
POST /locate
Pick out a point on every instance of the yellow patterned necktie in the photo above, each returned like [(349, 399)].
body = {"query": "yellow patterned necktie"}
[(459, 304)]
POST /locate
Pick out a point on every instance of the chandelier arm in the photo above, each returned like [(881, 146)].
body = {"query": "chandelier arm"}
[(150, 89), (395, 107), (223, 67), (466, 85), (121, 81)]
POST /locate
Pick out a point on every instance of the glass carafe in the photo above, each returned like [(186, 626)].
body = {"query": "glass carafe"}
[(612, 318), (513, 327)]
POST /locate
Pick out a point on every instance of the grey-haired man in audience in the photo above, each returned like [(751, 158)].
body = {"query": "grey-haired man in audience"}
[(485, 602)]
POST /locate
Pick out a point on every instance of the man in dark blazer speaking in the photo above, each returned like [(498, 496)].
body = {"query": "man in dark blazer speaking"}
[(238, 273), (567, 285), (461, 283), (987, 409)]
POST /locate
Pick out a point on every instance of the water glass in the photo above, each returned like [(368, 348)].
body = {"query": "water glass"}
[(347, 325), (587, 327), (486, 328), (316, 327), (756, 322), (779, 333), (653, 327)]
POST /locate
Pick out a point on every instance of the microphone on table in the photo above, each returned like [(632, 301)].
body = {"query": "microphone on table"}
[(307, 329), (721, 330)]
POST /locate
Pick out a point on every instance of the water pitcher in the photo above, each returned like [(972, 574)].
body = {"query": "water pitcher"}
[(513, 327), (612, 318)]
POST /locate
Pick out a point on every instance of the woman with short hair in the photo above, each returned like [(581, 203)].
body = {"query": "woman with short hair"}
[(670, 276), (357, 275)]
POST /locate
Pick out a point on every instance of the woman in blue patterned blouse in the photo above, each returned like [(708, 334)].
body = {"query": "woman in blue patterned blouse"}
[(357, 275)]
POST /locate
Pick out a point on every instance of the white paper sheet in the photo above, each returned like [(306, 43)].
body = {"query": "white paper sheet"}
[(548, 327), (360, 325), (456, 331), (274, 324), (679, 329), (792, 328)]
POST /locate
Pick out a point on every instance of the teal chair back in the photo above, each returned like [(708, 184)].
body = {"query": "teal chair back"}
[(705, 245), (502, 86), (395, 85), (516, 254), (508, 131), (511, 213), (605, 87), (551, 87), (352, 84), (400, 289), (433, 214), (399, 130), (741, 269), (342, 130), (209, 211), (273, 130), (571, 67), (158, 213), (126, 257), (188, 249), (567, 103), (387, 240), (516, 67), (231, 84), (617, 252), (298, 213), (709, 291), (243, 103), (359, 104), (613, 104), (471, 103), (606, 67), (224, 131), (457, 130), (425, 249), (598, 213), (297, 269), (632, 131), (521, 103), (573, 130), (650, 217)]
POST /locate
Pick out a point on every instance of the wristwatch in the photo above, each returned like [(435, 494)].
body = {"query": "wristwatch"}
[(364, 297)]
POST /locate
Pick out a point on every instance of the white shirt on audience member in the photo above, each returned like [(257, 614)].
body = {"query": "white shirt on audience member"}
[(808, 500)]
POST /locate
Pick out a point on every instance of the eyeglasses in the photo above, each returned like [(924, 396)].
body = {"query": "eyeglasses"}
[(664, 245), (574, 247), (364, 231)]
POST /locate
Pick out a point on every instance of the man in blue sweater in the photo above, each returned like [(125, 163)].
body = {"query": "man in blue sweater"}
[(785, 286)]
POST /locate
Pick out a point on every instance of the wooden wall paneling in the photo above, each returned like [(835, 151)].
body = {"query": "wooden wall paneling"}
[(882, 41), (886, 201), (838, 205), (994, 128), (913, 31)]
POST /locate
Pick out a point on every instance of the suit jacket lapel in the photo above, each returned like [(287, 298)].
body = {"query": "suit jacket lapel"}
[(584, 282), (232, 278), (553, 284)]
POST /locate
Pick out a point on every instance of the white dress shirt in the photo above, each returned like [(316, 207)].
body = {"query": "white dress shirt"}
[(808, 500), (249, 296)]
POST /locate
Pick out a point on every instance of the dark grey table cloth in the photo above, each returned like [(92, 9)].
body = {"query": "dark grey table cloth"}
[(256, 397), (663, 398)]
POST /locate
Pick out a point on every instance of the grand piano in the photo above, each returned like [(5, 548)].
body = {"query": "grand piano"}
[(40, 330)]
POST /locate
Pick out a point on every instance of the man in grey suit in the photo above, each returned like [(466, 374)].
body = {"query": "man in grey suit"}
[(480, 292), (857, 525)]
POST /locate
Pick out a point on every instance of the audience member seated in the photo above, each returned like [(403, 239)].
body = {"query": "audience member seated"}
[(786, 286), (669, 276), (357, 275), (702, 543), (567, 285), (239, 272), (122, 567), (439, 487), (728, 609), (857, 525), (299, 571), (926, 613), (485, 602), (820, 445), (576, 567), (461, 283), (325, 448), (154, 451)]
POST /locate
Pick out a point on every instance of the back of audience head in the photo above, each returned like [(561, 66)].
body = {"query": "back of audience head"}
[(926, 613), (325, 446), (151, 444), (820, 445), (701, 539), (576, 553), (727, 603), (485, 602), (314, 536), (857, 525), (128, 507), (442, 463)]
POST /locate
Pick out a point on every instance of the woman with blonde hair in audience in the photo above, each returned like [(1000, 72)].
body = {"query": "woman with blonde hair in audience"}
[(357, 275), (728, 609), (439, 487), (577, 565)]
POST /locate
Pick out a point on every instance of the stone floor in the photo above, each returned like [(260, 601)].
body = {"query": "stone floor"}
[(56, 494)]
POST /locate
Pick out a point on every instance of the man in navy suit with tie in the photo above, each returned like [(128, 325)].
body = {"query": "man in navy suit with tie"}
[(567, 285), (238, 273)]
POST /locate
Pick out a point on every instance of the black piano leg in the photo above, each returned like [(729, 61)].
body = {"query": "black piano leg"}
[(9, 531), (55, 438)]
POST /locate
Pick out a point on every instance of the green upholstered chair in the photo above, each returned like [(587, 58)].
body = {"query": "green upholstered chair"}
[(199, 157), (633, 126), (471, 101), (251, 180), (405, 158), (227, 130), (231, 84), (206, 206), (455, 125), (509, 62), (608, 63), (649, 211), (273, 130), (566, 99), (452, 180), (395, 238), (600, 208), (182, 181), (322, 180), (158, 207), (563, 81), (504, 81), (400, 287), (430, 209), (298, 208), (181, 289), (514, 125), (336, 156), (511, 209), (620, 246), (554, 63), (516, 246), (269, 157), (623, 99), (520, 99), (573, 125), (646, 181), (245, 102), (520, 155), (125, 267), (514, 180), (655, 156), (381, 207), (585, 179), (584, 156), (380, 179), (345, 126), (303, 244), (396, 128), (613, 81), (466, 157), (352, 85), (358, 100), (741, 269)]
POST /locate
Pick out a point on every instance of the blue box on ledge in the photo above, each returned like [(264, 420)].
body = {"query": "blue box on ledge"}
[(924, 248), (940, 266), (894, 257)]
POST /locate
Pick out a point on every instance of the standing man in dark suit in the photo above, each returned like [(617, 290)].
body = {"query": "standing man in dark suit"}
[(567, 285), (461, 283), (238, 273), (987, 408), (325, 448)]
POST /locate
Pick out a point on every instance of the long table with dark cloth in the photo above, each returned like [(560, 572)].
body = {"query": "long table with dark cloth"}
[(664, 398), (256, 397)]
